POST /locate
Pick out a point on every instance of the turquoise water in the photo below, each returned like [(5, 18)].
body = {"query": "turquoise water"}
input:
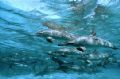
[(21, 19)]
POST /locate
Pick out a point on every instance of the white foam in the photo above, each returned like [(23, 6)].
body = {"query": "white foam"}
[(103, 2)]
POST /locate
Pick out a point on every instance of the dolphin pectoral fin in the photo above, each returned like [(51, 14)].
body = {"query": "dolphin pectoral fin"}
[(49, 39), (82, 49)]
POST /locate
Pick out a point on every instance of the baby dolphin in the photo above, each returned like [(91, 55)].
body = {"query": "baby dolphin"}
[(89, 41)]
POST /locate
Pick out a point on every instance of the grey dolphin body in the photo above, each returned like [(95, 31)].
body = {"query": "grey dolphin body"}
[(89, 41), (55, 34)]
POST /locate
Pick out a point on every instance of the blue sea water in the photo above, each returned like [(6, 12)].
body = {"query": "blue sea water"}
[(21, 19)]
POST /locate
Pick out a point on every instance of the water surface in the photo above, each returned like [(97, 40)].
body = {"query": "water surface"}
[(20, 20)]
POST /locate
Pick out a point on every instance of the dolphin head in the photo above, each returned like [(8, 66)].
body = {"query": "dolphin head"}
[(43, 33)]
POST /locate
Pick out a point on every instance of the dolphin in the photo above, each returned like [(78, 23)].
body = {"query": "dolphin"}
[(64, 52), (51, 35), (55, 31), (89, 41)]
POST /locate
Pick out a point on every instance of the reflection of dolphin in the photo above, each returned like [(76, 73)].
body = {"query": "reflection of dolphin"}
[(50, 35), (89, 41), (54, 26)]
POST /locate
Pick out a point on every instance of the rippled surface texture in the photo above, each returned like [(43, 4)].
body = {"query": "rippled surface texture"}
[(21, 19)]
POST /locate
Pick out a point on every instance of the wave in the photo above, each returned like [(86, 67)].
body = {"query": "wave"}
[(34, 6)]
